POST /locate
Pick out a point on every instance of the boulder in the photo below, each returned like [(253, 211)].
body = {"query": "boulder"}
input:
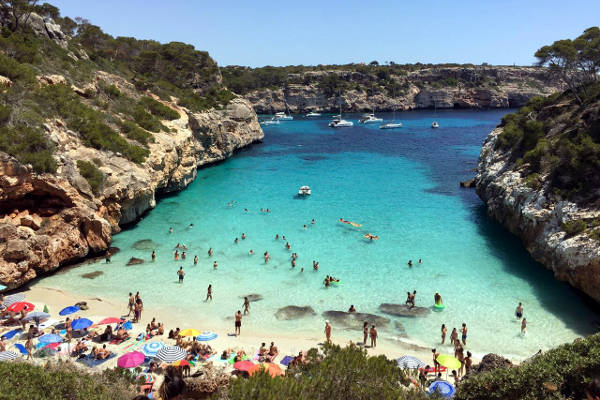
[(52, 80), (469, 183), (145, 244), (31, 221), (4, 81), (253, 297), (354, 320), (134, 261), (16, 250), (402, 310), (294, 312), (490, 362)]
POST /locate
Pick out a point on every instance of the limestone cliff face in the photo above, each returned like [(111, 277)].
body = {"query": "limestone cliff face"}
[(48, 220), (456, 87), (536, 216)]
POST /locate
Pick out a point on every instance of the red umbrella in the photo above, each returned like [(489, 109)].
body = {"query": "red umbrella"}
[(109, 320), (51, 345), (20, 306), (243, 365)]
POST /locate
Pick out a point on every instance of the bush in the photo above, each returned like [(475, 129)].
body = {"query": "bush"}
[(29, 146), (158, 109), (337, 373), (147, 120), (112, 91), (134, 132), (561, 373), (14, 70), (575, 227), (215, 98), (92, 174)]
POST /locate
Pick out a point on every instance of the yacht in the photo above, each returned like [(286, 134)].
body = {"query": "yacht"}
[(434, 124), (270, 121), (391, 125), (369, 118), (313, 114), (304, 191), (340, 123), (282, 116)]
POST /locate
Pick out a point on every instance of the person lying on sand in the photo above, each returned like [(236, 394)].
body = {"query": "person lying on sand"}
[(240, 355), (80, 348)]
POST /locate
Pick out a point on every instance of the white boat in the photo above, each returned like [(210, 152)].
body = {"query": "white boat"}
[(304, 191), (313, 114), (338, 122), (434, 124), (369, 119), (282, 116), (271, 121), (391, 125)]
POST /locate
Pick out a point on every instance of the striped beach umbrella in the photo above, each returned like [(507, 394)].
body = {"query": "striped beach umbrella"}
[(13, 298), (145, 377), (206, 336), (409, 362), (8, 355), (36, 316), (150, 349), (170, 354)]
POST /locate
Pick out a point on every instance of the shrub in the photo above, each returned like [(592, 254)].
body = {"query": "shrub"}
[(29, 146), (134, 132), (92, 174), (112, 91), (158, 109), (147, 120), (14, 70), (574, 227), (533, 181)]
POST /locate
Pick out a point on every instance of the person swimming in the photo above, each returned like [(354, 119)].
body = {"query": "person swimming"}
[(243, 236), (210, 252), (410, 263), (176, 256), (251, 252), (195, 260), (267, 257), (236, 241), (215, 265), (437, 298), (287, 245)]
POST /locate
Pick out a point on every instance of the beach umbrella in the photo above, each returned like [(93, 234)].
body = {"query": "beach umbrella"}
[(171, 354), (409, 362), (147, 377), (20, 306), (8, 355), (181, 363), (131, 359), (10, 334), (50, 338), (443, 388), (206, 336), (189, 332), (449, 361), (13, 298), (81, 323), (36, 316), (69, 310), (245, 365), (109, 320), (2, 287), (150, 349), (272, 369)]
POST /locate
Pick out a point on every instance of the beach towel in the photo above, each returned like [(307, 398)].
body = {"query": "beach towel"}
[(21, 348), (232, 359), (11, 334), (286, 360), (91, 362)]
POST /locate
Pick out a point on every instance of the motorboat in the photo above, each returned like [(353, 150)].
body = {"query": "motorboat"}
[(282, 116), (313, 114), (391, 125), (435, 124), (304, 191), (369, 119), (338, 122), (271, 121)]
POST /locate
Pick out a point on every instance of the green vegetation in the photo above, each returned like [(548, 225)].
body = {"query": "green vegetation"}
[(29, 146), (158, 109), (147, 120), (561, 373), (574, 227), (92, 174), (134, 132), (337, 373), (60, 381)]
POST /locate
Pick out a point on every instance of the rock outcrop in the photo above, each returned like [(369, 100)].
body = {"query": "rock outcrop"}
[(354, 320), (48, 220), (441, 87), (536, 215), (294, 312), (490, 362), (402, 310)]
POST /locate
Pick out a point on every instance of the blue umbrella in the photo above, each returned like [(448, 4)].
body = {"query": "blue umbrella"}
[(9, 335), (81, 323), (150, 349), (127, 326), (443, 388), (50, 338), (206, 336), (69, 310)]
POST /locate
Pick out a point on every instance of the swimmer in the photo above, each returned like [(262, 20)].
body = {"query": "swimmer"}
[(293, 263), (304, 227), (176, 255), (277, 236), (215, 265), (195, 260), (178, 246), (524, 326), (243, 236), (313, 221), (351, 309), (287, 245), (420, 261), (410, 263), (267, 257), (245, 209), (315, 266), (251, 252), (283, 237), (519, 311), (153, 255), (210, 252), (209, 293), (190, 225), (302, 269), (294, 256), (326, 282), (183, 255), (444, 331), (170, 230), (236, 241)]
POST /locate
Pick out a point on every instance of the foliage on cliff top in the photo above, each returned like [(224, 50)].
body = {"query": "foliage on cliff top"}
[(558, 137), (336, 373), (19, 380), (561, 373)]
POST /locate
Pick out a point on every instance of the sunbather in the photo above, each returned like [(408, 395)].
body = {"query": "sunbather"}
[(103, 353)]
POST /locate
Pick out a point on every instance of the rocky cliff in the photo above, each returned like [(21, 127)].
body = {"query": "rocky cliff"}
[(525, 190), (449, 87)]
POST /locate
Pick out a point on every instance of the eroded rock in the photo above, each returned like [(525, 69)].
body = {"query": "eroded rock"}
[(402, 310), (253, 297), (145, 244), (92, 275), (354, 320), (294, 312), (134, 261)]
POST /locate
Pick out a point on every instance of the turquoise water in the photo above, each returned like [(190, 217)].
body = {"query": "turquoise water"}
[(402, 185)]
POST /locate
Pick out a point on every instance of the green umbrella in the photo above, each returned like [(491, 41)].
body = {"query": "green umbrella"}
[(449, 361), (46, 309)]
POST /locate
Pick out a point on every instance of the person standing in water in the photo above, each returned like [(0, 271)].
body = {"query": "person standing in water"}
[(453, 336), (464, 333), (444, 331), (238, 323), (243, 236), (209, 293), (327, 332), (519, 311), (246, 306), (215, 265), (181, 274), (195, 260), (153, 255), (468, 363), (373, 335), (267, 257), (210, 252), (524, 326)]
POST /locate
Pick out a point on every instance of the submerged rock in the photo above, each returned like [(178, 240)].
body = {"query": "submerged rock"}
[(92, 275), (400, 328), (354, 320), (294, 312), (470, 183), (490, 362), (145, 244), (134, 261), (253, 297), (402, 310)]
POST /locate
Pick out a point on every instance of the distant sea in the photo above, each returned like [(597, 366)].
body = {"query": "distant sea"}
[(402, 185)]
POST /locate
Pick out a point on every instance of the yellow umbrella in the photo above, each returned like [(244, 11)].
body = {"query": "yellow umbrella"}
[(189, 332), (449, 361)]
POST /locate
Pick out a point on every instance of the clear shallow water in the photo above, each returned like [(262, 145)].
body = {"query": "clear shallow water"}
[(402, 185)]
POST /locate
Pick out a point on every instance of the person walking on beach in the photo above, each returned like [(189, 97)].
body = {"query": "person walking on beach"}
[(209, 293), (373, 335), (327, 332), (444, 331), (181, 274), (464, 333), (436, 364), (524, 326), (365, 332), (29, 347), (69, 329), (131, 304), (246, 306), (519, 311), (238, 323)]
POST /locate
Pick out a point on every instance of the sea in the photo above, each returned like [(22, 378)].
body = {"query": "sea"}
[(401, 185)]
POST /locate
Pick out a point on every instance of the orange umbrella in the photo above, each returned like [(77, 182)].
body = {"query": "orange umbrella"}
[(272, 369), (181, 363)]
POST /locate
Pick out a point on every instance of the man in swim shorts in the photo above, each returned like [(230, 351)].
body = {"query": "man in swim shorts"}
[(464, 333), (181, 274), (519, 311), (238, 322)]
